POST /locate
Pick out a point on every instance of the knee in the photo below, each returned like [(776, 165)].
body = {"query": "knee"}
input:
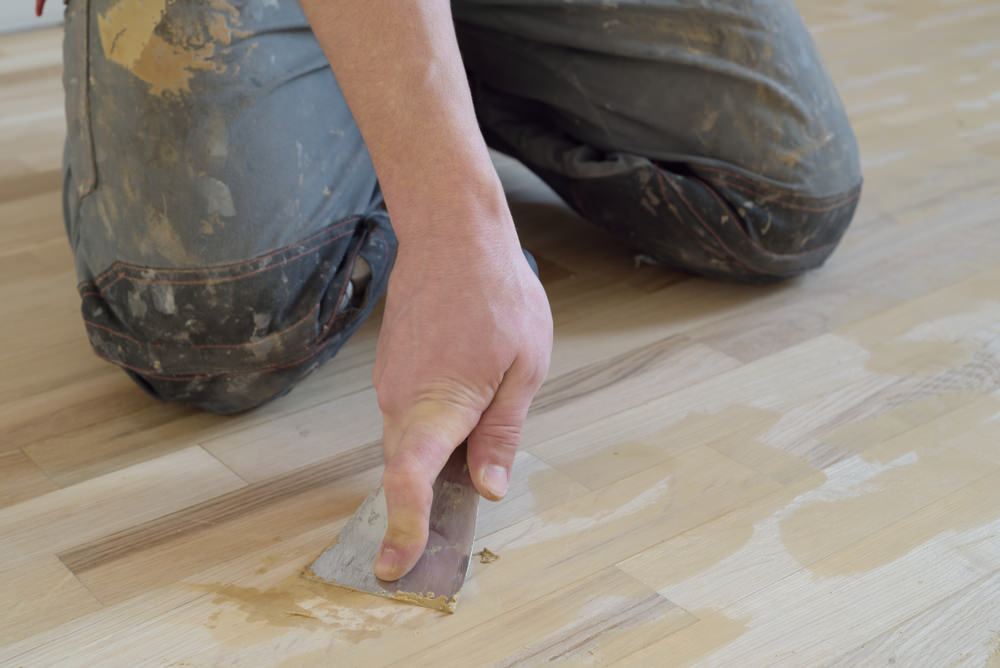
[(782, 232), (229, 338), (223, 394), (722, 223), (793, 204)]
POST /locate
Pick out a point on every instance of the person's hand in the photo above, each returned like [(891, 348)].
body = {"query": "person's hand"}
[(464, 345), (467, 332)]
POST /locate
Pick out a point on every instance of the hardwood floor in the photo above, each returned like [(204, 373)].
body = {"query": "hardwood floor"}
[(803, 474)]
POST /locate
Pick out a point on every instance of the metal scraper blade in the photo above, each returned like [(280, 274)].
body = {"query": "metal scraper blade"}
[(438, 575)]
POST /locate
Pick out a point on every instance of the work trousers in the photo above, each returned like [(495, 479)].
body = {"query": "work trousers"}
[(218, 195)]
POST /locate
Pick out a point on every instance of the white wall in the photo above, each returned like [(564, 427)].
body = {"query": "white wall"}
[(20, 14)]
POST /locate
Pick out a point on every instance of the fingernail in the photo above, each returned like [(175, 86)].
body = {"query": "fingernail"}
[(386, 564), (495, 479)]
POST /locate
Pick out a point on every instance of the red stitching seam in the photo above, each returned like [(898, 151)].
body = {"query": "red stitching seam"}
[(732, 256), (199, 346), (732, 213), (118, 264), (226, 279), (767, 186), (789, 205), (122, 335), (661, 180), (701, 242), (211, 374), (761, 186)]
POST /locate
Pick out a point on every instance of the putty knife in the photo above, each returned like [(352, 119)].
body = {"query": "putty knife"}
[(435, 580)]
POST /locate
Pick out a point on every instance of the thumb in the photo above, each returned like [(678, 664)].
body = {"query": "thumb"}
[(429, 437)]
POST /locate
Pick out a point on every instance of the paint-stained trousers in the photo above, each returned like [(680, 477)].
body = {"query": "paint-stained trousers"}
[(218, 195)]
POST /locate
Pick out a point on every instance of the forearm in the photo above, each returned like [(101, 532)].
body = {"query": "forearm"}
[(399, 67)]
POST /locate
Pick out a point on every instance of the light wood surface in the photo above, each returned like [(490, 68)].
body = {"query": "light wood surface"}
[(804, 474)]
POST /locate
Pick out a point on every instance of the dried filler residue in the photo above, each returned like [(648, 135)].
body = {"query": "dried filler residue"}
[(428, 600), (486, 556), (442, 603)]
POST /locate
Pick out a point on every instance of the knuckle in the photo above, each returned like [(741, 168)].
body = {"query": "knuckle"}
[(422, 447), (396, 477), (388, 401), (540, 369)]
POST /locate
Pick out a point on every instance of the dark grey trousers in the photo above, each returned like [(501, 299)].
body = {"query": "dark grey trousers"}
[(218, 195)]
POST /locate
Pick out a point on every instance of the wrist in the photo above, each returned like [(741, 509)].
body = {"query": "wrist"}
[(449, 207)]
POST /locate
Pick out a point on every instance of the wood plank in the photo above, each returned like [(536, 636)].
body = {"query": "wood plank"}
[(726, 559), (20, 478), (227, 610), (41, 270), (621, 616), (17, 78), (858, 283), (102, 407), (892, 433), (833, 385), (122, 565), (716, 474), (264, 582), (104, 395), (153, 431), (763, 542), (300, 438), (246, 618), (967, 618), (534, 487), (600, 389), (709, 409), (67, 517), (20, 50), (41, 594), (923, 567), (219, 509), (27, 185), (27, 223)]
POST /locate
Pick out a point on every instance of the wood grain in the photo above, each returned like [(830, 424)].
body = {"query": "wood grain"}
[(20, 478), (713, 474), (56, 521), (40, 595)]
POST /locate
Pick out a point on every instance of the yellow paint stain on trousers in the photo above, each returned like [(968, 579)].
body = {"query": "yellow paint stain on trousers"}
[(134, 34)]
